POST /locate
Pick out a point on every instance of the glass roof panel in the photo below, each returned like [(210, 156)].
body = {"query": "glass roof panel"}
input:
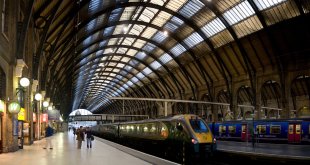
[(134, 80), (119, 29), (136, 29), (122, 50), (174, 24), (128, 11), (161, 19), (139, 43), (102, 43), (159, 37), (149, 32), (177, 50), (128, 41), (213, 27), (140, 76), (125, 59), (175, 5), (125, 86), (155, 65), (91, 25), (133, 62), (149, 47), (193, 40), (87, 40), (94, 5), (99, 52), (112, 41), (239, 12), (158, 2), (128, 68), (165, 58), (108, 31), (148, 14), (119, 77), (120, 65), (132, 52), (191, 8), (141, 55), (147, 71), (264, 4), (129, 83), (115, 14)]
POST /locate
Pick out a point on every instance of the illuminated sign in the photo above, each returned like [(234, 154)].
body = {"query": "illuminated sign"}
[(2, 106), (34, 117), (14, 107), (44, 117), (21, 114)]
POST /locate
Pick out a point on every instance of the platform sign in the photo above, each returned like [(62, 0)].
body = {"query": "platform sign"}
[(21, 114)]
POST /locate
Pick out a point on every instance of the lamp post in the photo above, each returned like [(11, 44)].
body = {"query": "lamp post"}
[(38, 97), (23, 84)]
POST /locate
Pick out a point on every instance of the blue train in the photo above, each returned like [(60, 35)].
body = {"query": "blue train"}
[(295, 131)]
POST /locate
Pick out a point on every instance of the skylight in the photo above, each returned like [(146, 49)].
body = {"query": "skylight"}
[(165, 58), (134, 80), (159, 37), (264, 4), (140, 76), (94, 5), (178, 49), (129, 83), (213, 27), (191, 8), (239, 13), (147, 71), (141, 55), (155, 65), (193, 40)]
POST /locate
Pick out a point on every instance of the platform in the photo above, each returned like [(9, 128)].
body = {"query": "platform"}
[(65, 152), (287, 151)]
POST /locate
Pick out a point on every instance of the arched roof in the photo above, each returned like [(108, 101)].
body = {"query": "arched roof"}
[(94, 49)]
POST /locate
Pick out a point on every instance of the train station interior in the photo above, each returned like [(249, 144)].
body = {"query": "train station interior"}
[(205, 79)]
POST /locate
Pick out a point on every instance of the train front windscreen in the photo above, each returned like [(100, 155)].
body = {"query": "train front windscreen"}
[(198, 125)]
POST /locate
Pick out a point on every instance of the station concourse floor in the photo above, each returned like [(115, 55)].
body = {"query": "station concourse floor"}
[(65, 152)]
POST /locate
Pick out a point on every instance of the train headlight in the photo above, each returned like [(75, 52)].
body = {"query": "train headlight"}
[(194, 141)]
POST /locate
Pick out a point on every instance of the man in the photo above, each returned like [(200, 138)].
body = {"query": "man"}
[(80, 136), (48, 133)]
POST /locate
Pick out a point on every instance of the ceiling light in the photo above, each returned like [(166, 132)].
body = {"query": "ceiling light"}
[(125, 29), (166, 33)]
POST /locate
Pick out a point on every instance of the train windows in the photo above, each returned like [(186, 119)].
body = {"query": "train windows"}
[(275, 129), (297, 128), (232, 129), (222, 129), (198, 125), (243, 128), (261, 129), (290, 129)]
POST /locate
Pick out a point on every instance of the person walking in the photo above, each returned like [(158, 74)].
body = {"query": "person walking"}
[(48, 137), (89, 137), (80, 136)]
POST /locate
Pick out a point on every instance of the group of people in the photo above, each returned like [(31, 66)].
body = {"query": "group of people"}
[(80, 136)]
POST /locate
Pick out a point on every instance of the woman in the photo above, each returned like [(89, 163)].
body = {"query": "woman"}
[(88, 137)]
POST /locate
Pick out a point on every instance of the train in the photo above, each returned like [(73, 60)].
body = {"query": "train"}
[(178, 138), (289, 131)]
